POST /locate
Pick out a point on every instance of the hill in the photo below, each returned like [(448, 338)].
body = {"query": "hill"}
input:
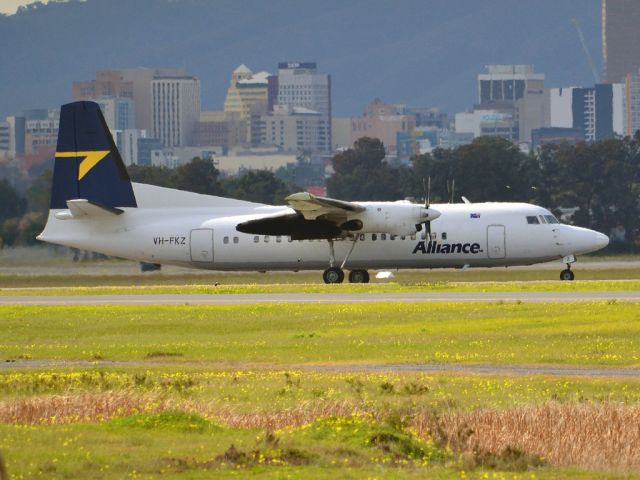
[(419, 52)]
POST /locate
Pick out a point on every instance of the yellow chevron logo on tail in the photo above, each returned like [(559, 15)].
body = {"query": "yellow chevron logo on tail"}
[(90, 159)]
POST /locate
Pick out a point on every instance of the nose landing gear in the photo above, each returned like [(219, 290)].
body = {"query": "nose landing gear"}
[(567, 274)]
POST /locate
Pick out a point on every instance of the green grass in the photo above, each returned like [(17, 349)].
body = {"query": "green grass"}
[(198, 378), (598, 333), (392, 287), (360, 449)]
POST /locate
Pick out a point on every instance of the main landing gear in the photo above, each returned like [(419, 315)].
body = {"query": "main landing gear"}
[(567, 274), (335, 274)]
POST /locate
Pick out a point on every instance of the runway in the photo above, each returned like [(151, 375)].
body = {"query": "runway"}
[(320, 298)]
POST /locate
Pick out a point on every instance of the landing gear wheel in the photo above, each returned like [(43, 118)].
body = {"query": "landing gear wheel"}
[(333, 275), (566, 275), (358, 276)]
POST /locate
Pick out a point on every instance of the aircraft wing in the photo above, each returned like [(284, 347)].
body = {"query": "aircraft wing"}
[(312, 206), (314, 217)]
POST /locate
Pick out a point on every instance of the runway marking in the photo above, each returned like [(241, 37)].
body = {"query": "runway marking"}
[(320, 298)]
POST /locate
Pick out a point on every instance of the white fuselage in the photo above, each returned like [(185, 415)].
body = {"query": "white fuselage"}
[(475, 235)]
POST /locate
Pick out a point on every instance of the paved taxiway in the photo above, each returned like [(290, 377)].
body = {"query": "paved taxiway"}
[(455, 368), (321, 298)]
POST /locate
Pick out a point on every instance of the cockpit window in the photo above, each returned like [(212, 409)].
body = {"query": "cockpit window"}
[(551, 219), (532, 220), (542, 219)]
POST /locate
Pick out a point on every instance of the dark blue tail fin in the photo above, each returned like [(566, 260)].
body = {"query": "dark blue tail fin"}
[(87, 163)]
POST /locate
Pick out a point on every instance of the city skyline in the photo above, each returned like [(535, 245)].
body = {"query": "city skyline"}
[(430, 57)]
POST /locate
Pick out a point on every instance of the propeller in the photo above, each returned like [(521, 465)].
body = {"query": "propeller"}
[(427, 203)]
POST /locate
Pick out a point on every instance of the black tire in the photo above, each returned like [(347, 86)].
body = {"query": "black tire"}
[(333, 275), (567, 275), (358, 276)]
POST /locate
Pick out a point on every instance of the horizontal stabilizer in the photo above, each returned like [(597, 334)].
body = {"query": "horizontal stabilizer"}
[(81, 207)]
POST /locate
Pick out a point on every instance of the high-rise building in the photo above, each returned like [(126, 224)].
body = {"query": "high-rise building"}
[(295, 129), (133, 83), (41, 129), (597, 112), (382, 121), (118, 112), (507, 83), (127, 143), (248, 92), (175, 109), (301, 85), (512, 102), (620, 38), (632, 103)]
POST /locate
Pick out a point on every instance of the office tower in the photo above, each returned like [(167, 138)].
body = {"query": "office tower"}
[(248, 92), (133, 83), (300, 85), (620, 38), (175, 109), (119, 113)]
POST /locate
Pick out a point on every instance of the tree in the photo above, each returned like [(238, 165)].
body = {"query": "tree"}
[(151, 175), (362, 174), (199, 175), (11, 203), (260, 186)]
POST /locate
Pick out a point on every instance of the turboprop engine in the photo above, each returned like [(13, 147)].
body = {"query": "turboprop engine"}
[(395, 218)]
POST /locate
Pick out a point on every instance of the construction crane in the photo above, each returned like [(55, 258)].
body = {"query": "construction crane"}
[(594, 70)]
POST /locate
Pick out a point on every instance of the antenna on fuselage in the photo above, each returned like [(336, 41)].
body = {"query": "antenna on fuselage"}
[(452, 190)]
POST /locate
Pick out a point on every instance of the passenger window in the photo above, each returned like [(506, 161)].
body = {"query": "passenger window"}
[(266, 239), (383, 236), (278, 239), (236, 239), (362, 236), (423, 235), (374, 237), (532, 220), (392, 237), (225, 240), (256, 239), (444, 235), (289, 239), (413, 237), (434, 236)]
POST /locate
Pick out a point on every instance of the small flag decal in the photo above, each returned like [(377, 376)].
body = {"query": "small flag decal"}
[(475, 215)]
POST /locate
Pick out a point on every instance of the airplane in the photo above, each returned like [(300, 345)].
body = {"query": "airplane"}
[(95, 206)]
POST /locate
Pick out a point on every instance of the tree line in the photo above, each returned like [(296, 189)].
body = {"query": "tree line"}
[(593, 185)]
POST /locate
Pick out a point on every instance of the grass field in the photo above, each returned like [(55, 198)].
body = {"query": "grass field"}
[(601, 333), (371, 289), (216, 391)]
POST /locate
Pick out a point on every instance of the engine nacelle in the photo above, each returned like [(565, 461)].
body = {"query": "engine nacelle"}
[(395, 218)]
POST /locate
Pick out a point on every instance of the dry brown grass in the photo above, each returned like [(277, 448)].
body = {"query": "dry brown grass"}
[(594, 436), (61, 409)]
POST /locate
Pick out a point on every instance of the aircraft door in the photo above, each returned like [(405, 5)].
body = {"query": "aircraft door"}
[(496, 241), (201, 244)]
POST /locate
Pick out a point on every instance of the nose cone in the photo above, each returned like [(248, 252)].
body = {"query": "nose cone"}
[(429, 214), (601, 240), (583, 240)]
